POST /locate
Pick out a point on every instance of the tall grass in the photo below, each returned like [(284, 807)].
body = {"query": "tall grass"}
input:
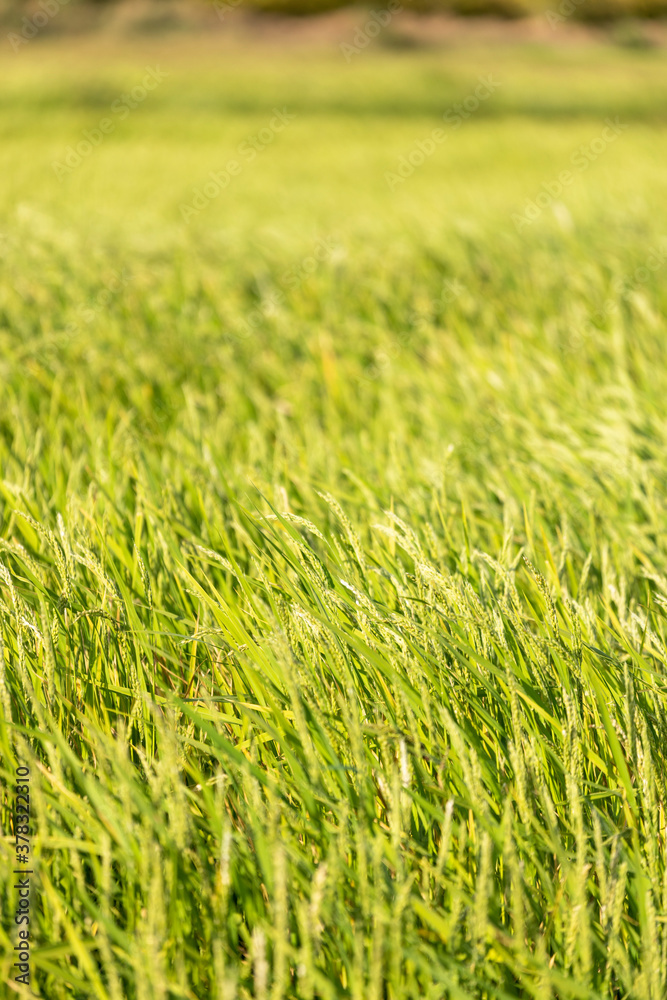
[(337, 650)]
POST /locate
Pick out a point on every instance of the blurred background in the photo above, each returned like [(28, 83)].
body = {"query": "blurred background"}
[(151, 15), (324, 200)]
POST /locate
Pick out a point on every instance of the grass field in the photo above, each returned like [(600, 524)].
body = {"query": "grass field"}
[(333, 577)]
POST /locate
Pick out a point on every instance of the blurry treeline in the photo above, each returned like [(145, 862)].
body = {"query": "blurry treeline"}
[(42, 13)]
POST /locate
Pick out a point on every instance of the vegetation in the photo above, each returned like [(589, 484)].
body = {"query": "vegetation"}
[(153, 16), (334, 574)]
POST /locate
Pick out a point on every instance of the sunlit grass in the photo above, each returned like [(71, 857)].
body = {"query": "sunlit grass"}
[(333, 595)]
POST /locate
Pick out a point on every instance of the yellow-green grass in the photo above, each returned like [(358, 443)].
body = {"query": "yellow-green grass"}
[(333, 589)]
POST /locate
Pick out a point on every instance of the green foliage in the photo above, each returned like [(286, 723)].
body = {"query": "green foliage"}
[(336, 643)]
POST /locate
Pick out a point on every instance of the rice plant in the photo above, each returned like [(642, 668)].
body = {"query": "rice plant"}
[(335, 645)]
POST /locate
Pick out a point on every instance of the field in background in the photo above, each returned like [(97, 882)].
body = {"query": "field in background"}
[(332, 501)]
